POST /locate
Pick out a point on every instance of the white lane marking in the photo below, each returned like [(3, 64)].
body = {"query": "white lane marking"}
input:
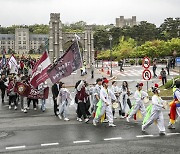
[(140, 136), (49, 144), (168, 134), (84, 141), (16, 147), (115, 138)]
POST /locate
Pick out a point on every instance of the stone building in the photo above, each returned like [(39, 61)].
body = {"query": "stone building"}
[(22, 41), (121, 21)]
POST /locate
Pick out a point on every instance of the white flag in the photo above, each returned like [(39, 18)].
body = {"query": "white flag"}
[(13, 65)]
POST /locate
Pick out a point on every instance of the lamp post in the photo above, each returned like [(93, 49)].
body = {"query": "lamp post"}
[(110, 40)]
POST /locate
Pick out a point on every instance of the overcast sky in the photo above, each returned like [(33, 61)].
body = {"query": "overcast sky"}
[(91, 11)]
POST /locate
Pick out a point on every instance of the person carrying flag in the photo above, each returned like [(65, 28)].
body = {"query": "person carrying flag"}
[(139, 96), (156, 114), (106, 96), (175, 106)]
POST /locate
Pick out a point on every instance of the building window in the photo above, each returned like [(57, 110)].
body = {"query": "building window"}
[(24, 38), (34, 39), (3, 38), (2, 42), (9, 38), (19, 34), (20, 47), (19, 38), (34, 42), (19, 42), (24, 47), (24, 42), (24, 34), (9, 42)]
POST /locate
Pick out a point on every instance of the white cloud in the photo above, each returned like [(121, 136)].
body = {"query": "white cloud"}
[(92, 11)]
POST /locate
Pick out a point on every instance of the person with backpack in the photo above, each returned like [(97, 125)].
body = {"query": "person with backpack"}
[(163, 76)]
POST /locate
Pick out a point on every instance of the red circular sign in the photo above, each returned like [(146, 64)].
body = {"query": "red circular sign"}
[(146, 62), (146, 75)]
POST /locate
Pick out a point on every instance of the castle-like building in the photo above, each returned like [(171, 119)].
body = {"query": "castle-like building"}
[(121, 21)]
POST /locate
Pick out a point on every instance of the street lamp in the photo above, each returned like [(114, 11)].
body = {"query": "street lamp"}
[(110, 40)]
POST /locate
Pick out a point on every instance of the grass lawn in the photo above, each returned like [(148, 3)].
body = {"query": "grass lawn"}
[(164, 92)]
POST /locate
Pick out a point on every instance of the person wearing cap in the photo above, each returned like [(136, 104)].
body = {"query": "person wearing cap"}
[(106, 96), (139, 96), (175, 106), (63, 99), (156, 112), (96, 93)]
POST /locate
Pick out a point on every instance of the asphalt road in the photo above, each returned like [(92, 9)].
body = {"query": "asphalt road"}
[(38, 132)]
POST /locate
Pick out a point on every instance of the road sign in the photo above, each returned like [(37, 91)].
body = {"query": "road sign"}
[(146, 62), (178, 61), (146, 75)]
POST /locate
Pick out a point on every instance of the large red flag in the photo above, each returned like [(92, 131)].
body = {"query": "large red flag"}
[(39, 73)]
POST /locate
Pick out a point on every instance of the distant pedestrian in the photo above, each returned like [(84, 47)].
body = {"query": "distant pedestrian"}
[(163, 76), (3, 86), (168, 67), (92, 71), (121, 65), (154, 68)]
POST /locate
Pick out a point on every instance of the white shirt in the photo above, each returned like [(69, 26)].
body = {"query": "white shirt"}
[(157, 102), (139, 96), (106, 95)]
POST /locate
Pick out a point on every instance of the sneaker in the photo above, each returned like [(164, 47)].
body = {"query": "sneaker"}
[(15, 108), (94, 123), (171, 126), (86, 120), (28, 108), (22, 110), (25, 110), (115, 117), (127, 119), (35, 109), (80, 120), (77, 119), (122, 117), (143, 130), (9, 107), (162, 133), (105, 121), (66, 119), (60, 117), (112, 125)]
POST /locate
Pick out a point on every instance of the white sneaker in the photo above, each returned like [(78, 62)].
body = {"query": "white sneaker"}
[(112, 125), (86, 120), (171, 126), (122, 117), (15, 108), (80, 120), (35, 109), (94, 123), (127, 119), (105, 121), (28, 108), (25, 111), (115, 117), (66, 119), (22, 110), (60, 117), (142, 128), (9, 107)]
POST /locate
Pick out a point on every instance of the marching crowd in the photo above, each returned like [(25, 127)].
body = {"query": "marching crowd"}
[(99, 102)]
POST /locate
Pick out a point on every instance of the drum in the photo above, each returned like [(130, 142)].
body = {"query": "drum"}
[(146, 100), (115, 105)]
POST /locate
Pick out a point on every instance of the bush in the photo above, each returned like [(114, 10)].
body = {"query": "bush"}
[(169, 84), (140, 61), (132, 61)]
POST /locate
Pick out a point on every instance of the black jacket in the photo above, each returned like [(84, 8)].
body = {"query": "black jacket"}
[(55, 91), (2, 85)]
